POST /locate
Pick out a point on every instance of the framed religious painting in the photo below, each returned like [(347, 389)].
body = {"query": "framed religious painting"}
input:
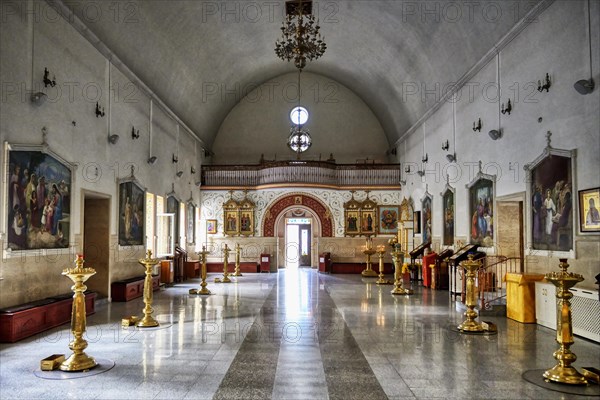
[(388, 219), (231, 223), (190, 218), (426, 211), (38, 213), (247, 222), (481, 212), (368, 219), (448, 216), (589, 217), (132, 216), (211, 226), (550, 205), (352, 223), (246, 215)]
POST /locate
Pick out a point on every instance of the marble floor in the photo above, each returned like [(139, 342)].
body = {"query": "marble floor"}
[(295, 334)]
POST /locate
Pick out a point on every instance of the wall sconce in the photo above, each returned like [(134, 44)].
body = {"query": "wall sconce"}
[(425, 158), (135, 134), (193, 170), (99, 111), (175, 159), (407, 169), (508, 108), (179, 174), (546, 85), (445, 145), (152, 160), (421, 173), (477, 126), (47, 80), (495, 134), (451, 157), (113, 139), (38, 97)]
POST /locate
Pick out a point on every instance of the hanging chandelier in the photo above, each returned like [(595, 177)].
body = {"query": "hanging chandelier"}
[(300, 40), (299, 140)]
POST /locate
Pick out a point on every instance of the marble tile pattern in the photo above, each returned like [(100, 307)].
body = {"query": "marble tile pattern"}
[(295, 334)]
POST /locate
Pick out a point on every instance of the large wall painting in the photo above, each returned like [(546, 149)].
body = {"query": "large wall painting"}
[(551, 206), (39, 201), (132, 206)]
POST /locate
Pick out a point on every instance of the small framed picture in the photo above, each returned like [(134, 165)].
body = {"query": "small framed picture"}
[(368, 220), (211, 226), (352, 225), (589, 216)]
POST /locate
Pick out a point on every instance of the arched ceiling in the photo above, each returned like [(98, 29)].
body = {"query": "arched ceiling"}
[(201, 57)]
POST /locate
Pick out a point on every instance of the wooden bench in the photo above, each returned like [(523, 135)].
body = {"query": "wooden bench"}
[(357, 268), (246, 266), (24, 320), (129, 289)]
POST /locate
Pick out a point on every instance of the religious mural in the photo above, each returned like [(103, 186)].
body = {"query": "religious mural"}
[(426, 219), (131, 214), (481, 212), (552, 204), (448, 213), (39, 202)]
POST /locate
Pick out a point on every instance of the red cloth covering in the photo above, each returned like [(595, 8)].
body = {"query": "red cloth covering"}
[(428, 261)]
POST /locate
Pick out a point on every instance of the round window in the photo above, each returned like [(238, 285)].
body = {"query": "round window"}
[(299, 115)]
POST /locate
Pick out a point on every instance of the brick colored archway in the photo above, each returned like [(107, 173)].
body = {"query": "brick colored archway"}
[(310, 202)]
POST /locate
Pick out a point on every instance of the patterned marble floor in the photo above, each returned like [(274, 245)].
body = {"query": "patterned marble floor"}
[(296, 334)]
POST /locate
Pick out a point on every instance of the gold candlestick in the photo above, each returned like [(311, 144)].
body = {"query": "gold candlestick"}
[(381, 280), (203, 289), (225, 279), (563, 372), (78, 361), (369, 251), (470, 325), (237, 260), (148, 321), (398, 259)]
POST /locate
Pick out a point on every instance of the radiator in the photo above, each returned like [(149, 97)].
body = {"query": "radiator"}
[(585, 306)]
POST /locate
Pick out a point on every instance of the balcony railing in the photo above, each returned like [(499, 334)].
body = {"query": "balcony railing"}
[(311, 173)]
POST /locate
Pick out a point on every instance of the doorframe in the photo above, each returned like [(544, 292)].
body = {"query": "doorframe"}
[(91, 194), (521, 198)]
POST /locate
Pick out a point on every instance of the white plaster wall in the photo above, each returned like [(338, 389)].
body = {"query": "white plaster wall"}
[(82, 77), (547, 45), (340, 123)]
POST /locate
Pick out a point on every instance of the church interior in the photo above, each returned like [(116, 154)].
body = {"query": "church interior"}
[(300, 200)]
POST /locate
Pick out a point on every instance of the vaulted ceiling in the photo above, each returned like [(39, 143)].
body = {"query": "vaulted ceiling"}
[(184, 50)]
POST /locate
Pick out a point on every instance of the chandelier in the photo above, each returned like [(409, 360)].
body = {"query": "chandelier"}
[(300, 40)]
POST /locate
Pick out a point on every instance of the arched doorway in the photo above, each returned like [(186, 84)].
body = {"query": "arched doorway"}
[(297, 220)]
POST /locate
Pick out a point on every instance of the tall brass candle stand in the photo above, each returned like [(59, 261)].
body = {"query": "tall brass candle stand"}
[(369, 251), (225, 279), (470, 325), (203, 289), (563, 372), (78, 361), (148, 321), (237, 260), (381, 280), (398, 258)]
